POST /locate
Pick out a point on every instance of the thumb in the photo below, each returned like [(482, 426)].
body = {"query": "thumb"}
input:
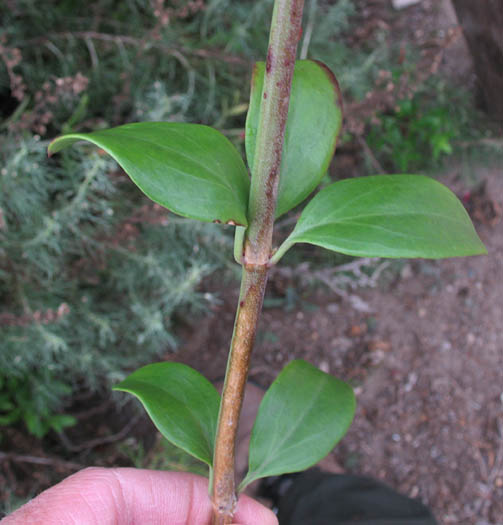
[(98, 496)]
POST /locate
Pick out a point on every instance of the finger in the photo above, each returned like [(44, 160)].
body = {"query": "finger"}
[(250, 512), (97, 496)]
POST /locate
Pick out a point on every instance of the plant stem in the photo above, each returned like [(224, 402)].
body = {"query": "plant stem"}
[(283, 40), (250, 304)]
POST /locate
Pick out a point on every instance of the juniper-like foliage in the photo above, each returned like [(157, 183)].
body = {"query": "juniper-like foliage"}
[(90, 277)]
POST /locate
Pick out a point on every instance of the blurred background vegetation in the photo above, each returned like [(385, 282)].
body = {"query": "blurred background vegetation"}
[(93, 277), (91, 273)]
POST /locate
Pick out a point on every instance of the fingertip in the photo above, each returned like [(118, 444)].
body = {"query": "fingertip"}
[(251, 512)]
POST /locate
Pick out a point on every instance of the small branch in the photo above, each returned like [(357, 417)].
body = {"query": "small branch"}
[(250, 304), (280, 63), (308, 33), (93, 443), (285, 32), (19, 458), (373, 159), (178, 52), (491, 142)]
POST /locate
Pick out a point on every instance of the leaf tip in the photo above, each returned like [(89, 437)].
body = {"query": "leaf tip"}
[(482, 249), (333, 80), (51, 148)]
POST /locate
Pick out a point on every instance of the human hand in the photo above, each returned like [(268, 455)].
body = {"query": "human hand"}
[(128, 496)]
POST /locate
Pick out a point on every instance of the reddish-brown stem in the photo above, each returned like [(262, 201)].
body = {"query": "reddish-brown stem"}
[(284, 37), (285, 34), (250, 304)]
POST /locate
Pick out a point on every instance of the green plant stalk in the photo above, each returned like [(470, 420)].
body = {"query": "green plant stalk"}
[(283, 40)]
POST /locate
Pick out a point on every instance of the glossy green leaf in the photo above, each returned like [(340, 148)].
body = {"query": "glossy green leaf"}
[(181, 402), (191, 169), (387, 216), (313, 125), (302, 416)]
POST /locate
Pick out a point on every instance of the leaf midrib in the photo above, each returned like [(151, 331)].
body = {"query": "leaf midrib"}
[(218, 180), (232, 188), (214, 182), (354, 218)]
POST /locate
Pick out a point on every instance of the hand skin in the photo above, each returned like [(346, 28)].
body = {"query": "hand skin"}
[(128, 496)]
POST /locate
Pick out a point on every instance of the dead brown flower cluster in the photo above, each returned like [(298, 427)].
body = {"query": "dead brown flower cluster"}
[(164, 14), (387, 92), (51, 93), (11, 57), (39, 316)]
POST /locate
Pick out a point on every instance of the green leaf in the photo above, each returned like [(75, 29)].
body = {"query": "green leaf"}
[(34, 423), (60, 421), (181, 402), (11, 417), (191, 169), (303, 415), (387, 216), (313, 125)]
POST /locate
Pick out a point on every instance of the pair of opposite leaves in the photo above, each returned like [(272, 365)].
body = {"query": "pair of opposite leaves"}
[(196, 172), (302, 416)]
